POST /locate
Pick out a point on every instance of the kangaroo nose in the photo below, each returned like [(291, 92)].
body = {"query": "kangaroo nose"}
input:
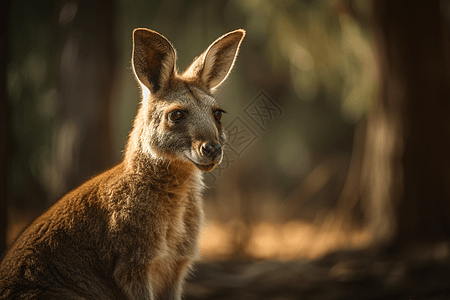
[(211, 149)]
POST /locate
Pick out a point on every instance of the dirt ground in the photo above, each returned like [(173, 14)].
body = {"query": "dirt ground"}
[(417, 273), (338, 276)]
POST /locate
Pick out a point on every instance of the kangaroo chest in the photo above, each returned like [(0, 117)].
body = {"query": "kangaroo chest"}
[(182, 225), (180, 242)]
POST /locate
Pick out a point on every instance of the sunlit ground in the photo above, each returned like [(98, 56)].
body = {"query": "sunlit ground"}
[(287, 241)]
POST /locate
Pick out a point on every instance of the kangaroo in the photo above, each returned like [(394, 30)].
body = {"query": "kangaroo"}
[(132, 232)]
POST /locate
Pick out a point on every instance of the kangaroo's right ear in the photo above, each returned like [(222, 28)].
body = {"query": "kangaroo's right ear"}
[(153, 59)]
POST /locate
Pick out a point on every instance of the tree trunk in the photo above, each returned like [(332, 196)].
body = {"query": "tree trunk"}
[(404, 185), (83, 141), (5, 128)]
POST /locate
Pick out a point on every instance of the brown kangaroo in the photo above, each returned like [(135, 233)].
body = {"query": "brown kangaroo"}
[(132, 232)]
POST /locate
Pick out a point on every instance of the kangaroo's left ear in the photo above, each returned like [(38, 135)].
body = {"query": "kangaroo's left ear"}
[(214, 65)]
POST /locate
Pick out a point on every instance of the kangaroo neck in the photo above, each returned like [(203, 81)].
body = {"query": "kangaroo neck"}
[(153, 169), (166, 171)]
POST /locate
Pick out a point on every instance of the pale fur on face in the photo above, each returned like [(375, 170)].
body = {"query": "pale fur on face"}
[(162, 140)]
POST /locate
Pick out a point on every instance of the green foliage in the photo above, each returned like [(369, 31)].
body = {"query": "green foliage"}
[(322, 46)]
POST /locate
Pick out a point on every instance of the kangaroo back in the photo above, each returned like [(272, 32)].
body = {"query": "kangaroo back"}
[(132, 232)]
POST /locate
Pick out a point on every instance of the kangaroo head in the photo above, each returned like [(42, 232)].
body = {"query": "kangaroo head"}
[(180, 118)]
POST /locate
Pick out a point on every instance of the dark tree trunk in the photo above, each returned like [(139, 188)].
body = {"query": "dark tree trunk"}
[(404, 180), (5, 128), (83, 142)]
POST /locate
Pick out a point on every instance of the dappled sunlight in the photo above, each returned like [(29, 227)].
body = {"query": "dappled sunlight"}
[(294, 240)]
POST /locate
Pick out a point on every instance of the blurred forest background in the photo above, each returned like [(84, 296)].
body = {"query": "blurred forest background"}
[(338, 113)]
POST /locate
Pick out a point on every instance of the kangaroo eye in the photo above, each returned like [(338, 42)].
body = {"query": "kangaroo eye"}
[(218, 115), (176, 116)]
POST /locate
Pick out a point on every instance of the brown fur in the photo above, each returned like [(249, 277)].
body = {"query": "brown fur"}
[(132, 231)]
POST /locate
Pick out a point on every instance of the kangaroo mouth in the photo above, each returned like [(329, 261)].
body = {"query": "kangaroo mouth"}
[(206, 168)]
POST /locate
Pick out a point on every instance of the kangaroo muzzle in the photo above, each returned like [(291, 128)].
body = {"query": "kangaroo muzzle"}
[(208, 155), (211, 149)]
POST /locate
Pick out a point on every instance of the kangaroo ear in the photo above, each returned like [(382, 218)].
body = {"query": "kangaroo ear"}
[(153, 59), (213, 66)]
